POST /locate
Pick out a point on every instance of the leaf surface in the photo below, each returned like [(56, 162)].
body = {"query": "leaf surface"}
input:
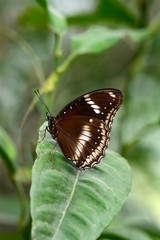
[(70, 204), (97, 39), (94, 40)]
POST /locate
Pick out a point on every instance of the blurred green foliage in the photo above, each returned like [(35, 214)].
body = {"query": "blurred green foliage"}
[(52, 47)]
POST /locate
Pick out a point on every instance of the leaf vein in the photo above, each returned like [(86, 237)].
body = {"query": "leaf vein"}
[(67, 205)]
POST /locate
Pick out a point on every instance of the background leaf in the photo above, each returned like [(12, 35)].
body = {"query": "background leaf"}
[(34, 17), (95, 40), (139, 35), (70, 204), (107, 11), (42, 3), (98, 39), (56, 20), (8, 151), (124, 233)]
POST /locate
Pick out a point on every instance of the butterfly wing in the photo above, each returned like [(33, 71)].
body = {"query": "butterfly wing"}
[(84, 126)]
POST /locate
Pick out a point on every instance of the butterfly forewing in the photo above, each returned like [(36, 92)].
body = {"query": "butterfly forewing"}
[(84, 126)]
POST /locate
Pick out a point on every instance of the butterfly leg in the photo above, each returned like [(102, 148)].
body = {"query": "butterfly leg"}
[(46, 129), (50, 157)]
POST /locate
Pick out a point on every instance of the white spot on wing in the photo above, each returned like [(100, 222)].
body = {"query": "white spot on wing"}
[(86, 128), (97, 111), (87, 99), (86, 96), (86, 138), (112, 94), (77, 152), (90, 120), (95, 106), (91, 102), (87, 133)]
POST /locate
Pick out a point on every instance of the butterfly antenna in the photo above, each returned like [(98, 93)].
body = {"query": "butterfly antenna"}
[(41, 99)]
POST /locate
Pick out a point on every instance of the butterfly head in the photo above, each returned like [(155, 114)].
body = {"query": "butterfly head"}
[(50, 119), (48, 116), (51, 125)]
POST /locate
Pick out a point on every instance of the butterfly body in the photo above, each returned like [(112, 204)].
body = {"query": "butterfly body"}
[(52, 129), (82, 128)]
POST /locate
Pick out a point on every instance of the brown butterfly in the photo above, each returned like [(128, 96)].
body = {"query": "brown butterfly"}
[(82, 128)]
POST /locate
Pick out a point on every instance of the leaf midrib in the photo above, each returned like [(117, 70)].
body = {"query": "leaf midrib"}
[(67, 205)]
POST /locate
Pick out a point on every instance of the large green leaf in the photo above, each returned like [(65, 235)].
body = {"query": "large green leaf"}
[(70, 204), (97, 39)]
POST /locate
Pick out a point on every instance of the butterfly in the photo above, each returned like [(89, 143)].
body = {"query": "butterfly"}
[(82, 128)]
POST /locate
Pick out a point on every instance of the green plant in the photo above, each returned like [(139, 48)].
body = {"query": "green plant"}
[(67, 203)]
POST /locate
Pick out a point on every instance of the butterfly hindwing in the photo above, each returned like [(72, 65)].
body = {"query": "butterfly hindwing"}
[(84, 145), (84, 126)]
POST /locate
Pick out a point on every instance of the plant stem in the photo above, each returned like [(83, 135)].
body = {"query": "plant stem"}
[(65, 64), (57, 50)]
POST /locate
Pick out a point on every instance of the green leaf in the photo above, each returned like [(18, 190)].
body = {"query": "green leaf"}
[(124, 233), (70, 204), (95, 40), (98, 39), (11, 236), (8, 151), (149, 228), (115, 11), (140, 35), (107, 11), (42, 3), (56, 20), (34, 17)]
